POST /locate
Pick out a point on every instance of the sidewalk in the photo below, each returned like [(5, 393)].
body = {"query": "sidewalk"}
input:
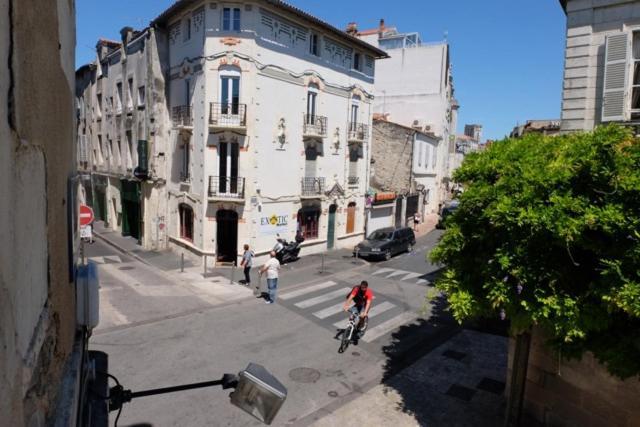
[(460, 383), (426, 226)]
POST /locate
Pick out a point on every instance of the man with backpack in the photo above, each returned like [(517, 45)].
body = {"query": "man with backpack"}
[(362, 297)]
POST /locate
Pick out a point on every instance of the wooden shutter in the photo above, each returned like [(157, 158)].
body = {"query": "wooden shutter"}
[(351, 219), (615, 77)]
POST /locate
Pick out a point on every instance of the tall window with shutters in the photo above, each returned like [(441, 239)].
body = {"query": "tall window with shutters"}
[(635, 83), (621, 88)]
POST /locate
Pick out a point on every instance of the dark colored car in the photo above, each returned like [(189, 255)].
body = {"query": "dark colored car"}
[(385, 243), (447, 210)]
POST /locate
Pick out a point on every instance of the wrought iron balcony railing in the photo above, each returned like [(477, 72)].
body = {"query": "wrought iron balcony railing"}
[(314, 125), (181, 116), (313, 186), (228, 114), (358, 131), (226, 187)]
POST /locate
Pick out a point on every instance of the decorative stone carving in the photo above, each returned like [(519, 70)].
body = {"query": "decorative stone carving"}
[(230, 41), (281, 134), (336, 140)]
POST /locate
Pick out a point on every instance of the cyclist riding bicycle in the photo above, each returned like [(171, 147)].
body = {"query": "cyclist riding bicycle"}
[(362, 298)]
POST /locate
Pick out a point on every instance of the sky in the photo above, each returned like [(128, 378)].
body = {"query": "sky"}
[(507, 55)]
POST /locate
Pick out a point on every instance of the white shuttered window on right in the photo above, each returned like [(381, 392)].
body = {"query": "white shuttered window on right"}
[(621, 89)]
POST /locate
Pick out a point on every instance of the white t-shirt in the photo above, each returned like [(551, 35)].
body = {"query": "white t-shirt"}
[(273, 265)]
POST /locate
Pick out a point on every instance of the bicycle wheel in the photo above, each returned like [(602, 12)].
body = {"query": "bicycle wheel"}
[(346, 337)]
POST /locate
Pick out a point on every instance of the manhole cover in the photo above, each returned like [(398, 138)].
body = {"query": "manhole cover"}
[(126, 268), (304, 375)]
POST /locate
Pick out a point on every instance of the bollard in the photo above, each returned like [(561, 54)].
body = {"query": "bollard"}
[(233, 271), (182, 262), (204, 273), (322, 265), (355, 261)]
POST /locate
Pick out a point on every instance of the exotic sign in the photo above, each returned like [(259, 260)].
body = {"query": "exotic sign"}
[(274, 224), (385, 196)]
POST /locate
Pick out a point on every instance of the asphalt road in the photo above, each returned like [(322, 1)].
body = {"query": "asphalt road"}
[(160, 332)]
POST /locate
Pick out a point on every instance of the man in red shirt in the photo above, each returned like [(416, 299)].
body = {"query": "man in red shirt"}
[(362, 298)]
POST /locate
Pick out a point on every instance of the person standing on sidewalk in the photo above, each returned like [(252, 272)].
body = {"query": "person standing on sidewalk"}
[(271, 267), (247, 263)]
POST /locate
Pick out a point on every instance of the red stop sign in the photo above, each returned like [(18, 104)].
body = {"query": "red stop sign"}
[(86, 215)]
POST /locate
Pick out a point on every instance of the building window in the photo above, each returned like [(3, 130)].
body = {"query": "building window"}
[(185, 172), (231, 19), (228, 160), (99, 104), (355, 109), (187, 30), (186, 222), (130, 94), (314, 45), (357, 61), (141, 96), (351, 217), (312, 96), (635, 89), (119, 97), (308, 221), (420, 154), (434, 158), (230, 93), (187, 92)]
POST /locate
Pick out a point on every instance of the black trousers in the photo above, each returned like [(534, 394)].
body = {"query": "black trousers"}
[(247, 275)]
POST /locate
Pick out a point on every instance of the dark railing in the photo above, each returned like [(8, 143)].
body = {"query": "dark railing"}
[(185, 177), (358, 131), (228, 114), (181, 116), (227, 187), (312, 186), (315, 125), (353, 181)]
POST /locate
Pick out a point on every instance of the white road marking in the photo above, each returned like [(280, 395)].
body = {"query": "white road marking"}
[(386, 327), (397, 273), (329, 311), (421, 281), (323, 298), (97, 259), (382, 270), (375, 310), (307, 290), (412, 276), (114, 258), (142, 289)]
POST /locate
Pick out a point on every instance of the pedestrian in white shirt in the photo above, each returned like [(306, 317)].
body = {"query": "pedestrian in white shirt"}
[(271, 267)]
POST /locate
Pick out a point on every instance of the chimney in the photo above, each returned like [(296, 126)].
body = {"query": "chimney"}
[(382, 27), (352, 29)]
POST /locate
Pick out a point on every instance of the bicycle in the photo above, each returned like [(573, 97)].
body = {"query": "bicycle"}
[(351, 329)]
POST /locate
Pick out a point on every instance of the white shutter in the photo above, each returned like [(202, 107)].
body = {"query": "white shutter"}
[(615, 77)]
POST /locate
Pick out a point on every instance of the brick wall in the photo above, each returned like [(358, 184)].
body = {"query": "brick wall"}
[(576, 393)]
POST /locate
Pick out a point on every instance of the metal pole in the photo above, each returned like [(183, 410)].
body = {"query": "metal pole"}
[(355, 261), (233, 271), (182, 262), (322, 265), (205, 266)]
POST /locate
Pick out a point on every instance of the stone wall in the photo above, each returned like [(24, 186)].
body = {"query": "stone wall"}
[(391, 155), (37, 156), (576, 393)]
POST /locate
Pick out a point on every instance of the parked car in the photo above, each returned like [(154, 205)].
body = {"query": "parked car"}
[(448, 208), (385, 243)]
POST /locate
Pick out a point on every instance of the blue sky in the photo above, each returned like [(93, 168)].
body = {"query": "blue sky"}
[(507, 55)]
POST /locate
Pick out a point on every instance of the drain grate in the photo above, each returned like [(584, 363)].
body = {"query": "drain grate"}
[(490, 385), (461, 392)]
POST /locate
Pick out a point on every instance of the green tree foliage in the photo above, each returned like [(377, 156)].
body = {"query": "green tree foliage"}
[(548, 233)]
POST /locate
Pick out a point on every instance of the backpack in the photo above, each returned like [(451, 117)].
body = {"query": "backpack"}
[(359, 295)]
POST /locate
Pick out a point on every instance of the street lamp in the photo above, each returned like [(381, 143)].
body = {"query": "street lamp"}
[(257, 392)]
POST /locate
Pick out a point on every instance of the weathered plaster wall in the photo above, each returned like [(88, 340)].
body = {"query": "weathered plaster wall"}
[(392, 151), (37, 155)]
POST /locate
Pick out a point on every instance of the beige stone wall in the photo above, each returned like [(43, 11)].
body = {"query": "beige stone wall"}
[(576, 393), (392, 150), (37, 155)]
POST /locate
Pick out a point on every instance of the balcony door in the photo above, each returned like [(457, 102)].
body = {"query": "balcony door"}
[(230, 97), (228, 155)]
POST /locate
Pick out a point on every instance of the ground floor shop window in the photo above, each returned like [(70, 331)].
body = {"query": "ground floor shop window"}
[(308, 221), (186, 222)]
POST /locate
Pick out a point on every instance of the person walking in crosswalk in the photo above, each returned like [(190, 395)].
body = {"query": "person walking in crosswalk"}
[(271, 267)]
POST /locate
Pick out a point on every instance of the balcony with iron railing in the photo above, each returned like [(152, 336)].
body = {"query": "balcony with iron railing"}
[(314, 126), (226, 188), (228, 115), (181, 117), (353, 181), (312, 187), (358, 132)]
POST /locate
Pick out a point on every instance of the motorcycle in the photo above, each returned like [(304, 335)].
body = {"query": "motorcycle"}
[(287, 251)]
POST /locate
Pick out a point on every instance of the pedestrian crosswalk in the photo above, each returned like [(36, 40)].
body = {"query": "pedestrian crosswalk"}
[(107, 259), (324, 302), (402, 275)]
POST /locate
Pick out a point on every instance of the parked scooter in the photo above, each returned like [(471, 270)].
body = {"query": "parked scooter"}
[(287, 251)]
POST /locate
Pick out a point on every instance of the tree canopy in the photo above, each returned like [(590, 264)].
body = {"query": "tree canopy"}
[(547, 234)]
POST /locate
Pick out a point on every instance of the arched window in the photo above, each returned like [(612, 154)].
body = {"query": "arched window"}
[(309, 220), (186, 222), (351, 217)]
